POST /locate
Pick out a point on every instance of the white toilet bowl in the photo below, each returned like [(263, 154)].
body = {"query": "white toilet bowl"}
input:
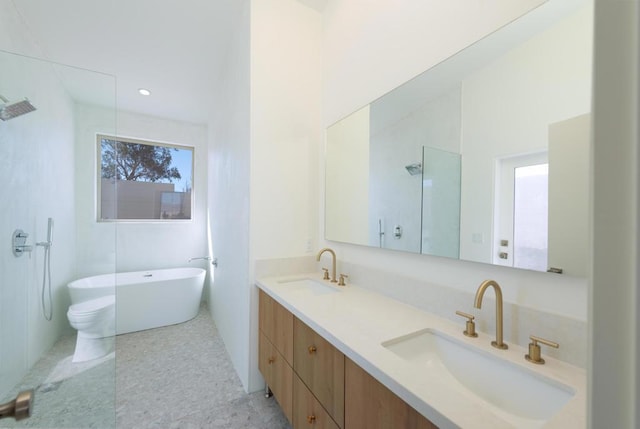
[(95, 322)]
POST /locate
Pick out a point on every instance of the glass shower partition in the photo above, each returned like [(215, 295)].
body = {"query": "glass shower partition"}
[(441, 173), (50, 115)]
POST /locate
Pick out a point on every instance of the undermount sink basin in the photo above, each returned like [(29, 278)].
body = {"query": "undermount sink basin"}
[(316, 287), (523, 397)]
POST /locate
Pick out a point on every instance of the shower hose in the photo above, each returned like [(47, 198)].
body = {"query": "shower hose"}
[(46, 280)]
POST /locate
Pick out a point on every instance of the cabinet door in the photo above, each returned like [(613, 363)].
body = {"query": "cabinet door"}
[(370, 405), (321, 367), (277, 374), (307, 411), (276, 322)]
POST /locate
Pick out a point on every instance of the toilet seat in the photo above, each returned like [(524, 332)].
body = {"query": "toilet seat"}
[(92, 306)]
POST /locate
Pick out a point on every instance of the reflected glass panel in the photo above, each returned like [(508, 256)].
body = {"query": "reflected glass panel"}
[(441, 203)]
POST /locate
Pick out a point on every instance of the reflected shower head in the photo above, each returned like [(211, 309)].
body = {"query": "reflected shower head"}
[(414, 169), (10, 110)]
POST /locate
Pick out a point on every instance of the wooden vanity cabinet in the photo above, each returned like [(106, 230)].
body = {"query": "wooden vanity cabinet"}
[(275, 351), (370, 405), (277, 374), (316, 386), (321, 367), (276, 323), (307, 412)]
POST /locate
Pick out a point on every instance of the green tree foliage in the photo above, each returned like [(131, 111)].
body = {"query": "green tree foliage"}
[(137, 162)]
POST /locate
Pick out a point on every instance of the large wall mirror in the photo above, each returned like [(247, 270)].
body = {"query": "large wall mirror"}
[(484, 157)]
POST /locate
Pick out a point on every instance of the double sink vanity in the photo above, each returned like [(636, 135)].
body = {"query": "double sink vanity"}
[(346, 357)]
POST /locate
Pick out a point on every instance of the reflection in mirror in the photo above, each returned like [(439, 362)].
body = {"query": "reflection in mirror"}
[(441, 203), (429, 167), (521, 207)]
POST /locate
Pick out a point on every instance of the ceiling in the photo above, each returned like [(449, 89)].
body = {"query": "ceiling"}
[(173, 48), (176, 49)]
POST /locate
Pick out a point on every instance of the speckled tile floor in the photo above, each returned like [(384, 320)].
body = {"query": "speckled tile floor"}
[(173, 377), (68, 395)]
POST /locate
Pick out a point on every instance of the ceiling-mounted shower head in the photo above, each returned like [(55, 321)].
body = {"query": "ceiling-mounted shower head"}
[(414, 169), (10, 110)]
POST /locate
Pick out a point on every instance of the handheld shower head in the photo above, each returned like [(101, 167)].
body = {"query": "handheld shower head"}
[(10, 110)]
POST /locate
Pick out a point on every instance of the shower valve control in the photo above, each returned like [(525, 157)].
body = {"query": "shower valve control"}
[(397, 231), (19, 243)]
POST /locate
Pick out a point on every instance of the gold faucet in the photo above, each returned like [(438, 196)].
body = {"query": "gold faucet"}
[(333, 262), (498, 343)]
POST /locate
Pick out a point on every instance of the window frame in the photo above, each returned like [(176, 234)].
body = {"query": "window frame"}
[(98, 178)]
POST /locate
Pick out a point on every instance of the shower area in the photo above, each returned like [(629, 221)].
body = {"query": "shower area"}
[(47, 210)]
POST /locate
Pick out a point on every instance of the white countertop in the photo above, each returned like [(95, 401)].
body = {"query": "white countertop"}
[(357, 321)]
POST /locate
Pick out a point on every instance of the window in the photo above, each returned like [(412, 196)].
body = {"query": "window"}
[(142, 180)]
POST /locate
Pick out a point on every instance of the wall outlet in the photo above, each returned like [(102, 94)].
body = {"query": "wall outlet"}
[(309, 245)]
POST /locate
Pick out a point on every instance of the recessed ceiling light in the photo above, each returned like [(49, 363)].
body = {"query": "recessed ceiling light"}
[(143, 91)]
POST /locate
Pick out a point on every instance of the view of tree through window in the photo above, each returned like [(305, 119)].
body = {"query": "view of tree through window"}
[(141, 180)]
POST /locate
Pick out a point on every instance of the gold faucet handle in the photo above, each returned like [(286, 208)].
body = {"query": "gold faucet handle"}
[(341, 281), (470, 330), (326, 274), (534, 355)]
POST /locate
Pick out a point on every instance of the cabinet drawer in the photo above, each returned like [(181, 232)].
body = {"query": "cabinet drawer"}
[(307, 411), (276, 323), (321, 367), (277, 374), (370, 405)]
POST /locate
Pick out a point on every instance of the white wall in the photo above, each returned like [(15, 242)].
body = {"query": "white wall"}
[(614, 317), (96, 241), (285, 126), (229, 139), (137, 245), (286, 129), (36, 170), (347, 160), (263, 163), (360, 39)]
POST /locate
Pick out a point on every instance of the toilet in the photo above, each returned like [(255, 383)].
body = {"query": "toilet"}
[(95, 322)]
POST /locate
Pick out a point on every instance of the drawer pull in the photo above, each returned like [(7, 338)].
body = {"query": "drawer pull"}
[(271, 360), (312, 349), (311, 419)]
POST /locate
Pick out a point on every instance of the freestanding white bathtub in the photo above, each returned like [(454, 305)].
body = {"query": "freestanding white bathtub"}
[(145, 299)]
